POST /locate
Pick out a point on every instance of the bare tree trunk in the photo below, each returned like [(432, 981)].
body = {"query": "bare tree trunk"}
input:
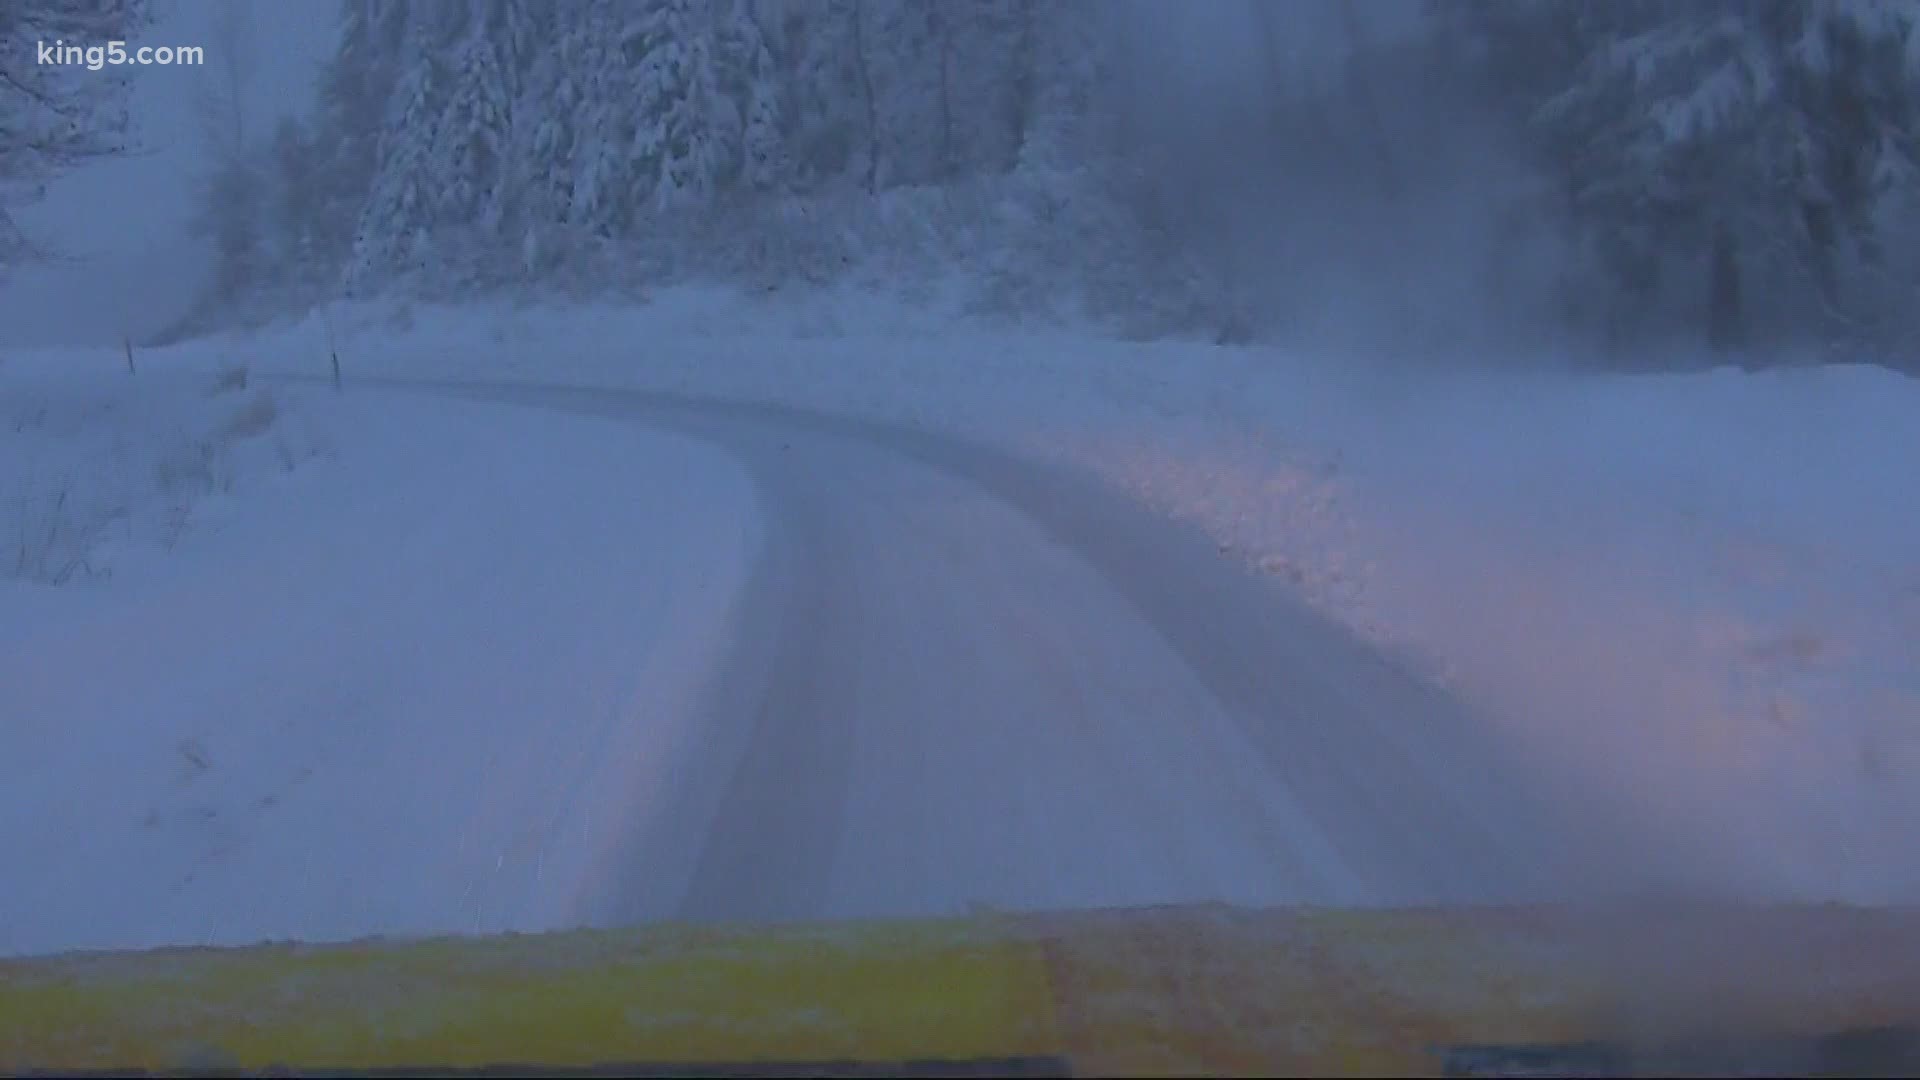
[(224, 111), (1360, 85), (1023, 98), (866, 89), (1724, 330), (13, 243), (943, 38), (1822, 238), (1262, 11), (1296, 113)]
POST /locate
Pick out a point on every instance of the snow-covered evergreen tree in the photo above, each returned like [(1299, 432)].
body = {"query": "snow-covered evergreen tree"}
[(828, 132), (471, 143), (1057, 107), (687, 132), (356, 87), (548, 124), (751, 79), (602, 151), (576, 137), (1722, 134), (405, 195), (990, 79), (524, 35), (904, 42)]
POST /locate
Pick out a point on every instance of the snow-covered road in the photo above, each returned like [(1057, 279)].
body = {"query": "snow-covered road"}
[(964, 679), (543, 665)]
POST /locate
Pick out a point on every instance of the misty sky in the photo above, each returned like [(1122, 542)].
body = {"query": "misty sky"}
[(128, 264)]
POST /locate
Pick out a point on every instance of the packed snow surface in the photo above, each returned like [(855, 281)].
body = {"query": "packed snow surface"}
[(415, 658), (1695, 596)]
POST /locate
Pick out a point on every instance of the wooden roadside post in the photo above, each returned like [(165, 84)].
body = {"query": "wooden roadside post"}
[(333, 346)]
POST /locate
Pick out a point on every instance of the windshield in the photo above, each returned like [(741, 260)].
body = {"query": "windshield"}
[(708, 470)]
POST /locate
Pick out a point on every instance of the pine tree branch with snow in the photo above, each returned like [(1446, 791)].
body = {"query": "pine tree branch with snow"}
[(56, 117)]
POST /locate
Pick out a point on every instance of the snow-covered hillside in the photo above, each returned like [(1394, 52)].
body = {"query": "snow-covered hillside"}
[(1697, 596)]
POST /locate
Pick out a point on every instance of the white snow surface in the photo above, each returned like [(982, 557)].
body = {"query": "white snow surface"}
[(1694, 596), (99, 469), (419, 683), (398, 663)]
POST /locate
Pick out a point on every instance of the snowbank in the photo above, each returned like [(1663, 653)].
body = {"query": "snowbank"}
[(99, 468), (419, 689), (1695, 596)]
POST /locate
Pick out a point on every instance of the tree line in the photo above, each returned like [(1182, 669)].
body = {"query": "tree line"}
[(1739, 173)]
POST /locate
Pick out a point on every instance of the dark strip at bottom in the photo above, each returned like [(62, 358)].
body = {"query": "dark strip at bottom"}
[(968, 1067), (1861, 1052)]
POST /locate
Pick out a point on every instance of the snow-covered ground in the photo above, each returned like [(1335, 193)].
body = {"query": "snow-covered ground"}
[(1696, 595), (414, 683), (98, 468), (1691, 598), (1701, 592)]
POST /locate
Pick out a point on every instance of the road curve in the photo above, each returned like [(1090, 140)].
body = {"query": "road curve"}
[(961, 679)]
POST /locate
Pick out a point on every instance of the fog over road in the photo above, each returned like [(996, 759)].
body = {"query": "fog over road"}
[(961, 679), (531, 657)]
